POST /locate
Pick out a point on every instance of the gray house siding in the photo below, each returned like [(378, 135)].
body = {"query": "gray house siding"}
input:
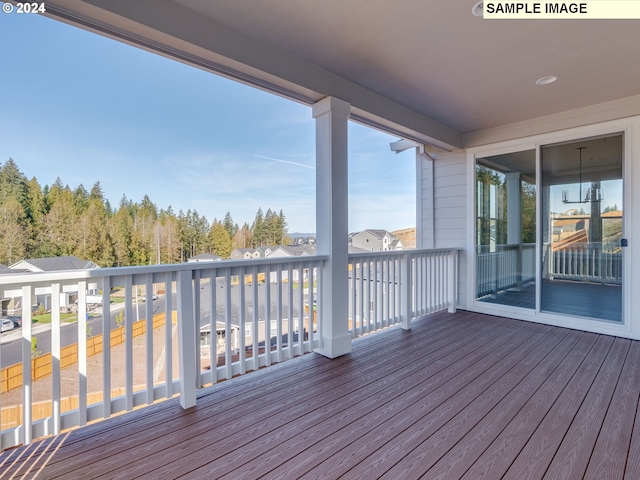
[(449, 212)]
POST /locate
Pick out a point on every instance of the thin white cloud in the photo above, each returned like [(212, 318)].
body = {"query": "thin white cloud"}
[(285, 161)]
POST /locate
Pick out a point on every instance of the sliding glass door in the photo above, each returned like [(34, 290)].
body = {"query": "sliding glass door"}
[(581, 234), (570, 261)]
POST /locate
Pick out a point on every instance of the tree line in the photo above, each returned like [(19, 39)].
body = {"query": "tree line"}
[(49, 221)]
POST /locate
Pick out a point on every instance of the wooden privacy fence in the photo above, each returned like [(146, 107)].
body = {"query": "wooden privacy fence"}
[(12, 416), (41, 366)]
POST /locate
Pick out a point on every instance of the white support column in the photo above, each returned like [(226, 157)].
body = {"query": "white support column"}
[(186, 340), (514, 217), (332, 234)]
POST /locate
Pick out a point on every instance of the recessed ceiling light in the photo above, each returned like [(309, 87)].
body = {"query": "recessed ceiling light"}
[(477, 9), (546, 80)]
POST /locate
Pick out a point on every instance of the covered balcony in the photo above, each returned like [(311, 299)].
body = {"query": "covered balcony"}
[(461, 359)]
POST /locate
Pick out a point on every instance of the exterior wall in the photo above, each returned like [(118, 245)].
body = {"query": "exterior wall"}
[(449, 215)]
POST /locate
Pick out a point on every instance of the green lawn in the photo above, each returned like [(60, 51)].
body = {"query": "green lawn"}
[(46, 318)]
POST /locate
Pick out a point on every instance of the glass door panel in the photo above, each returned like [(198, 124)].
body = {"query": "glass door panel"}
[(582, 228), (506, 229)]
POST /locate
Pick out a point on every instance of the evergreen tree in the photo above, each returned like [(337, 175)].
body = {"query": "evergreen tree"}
[(283, 231), (13, 232), (13, 184), (229, 225), (54, 192), (37, 213), (195, 231), (269, 230), (142, 241), (96, 192), (220, 240), (93, 241), (107, 208), (119, 227), (81, 198), (60, 226), (257, 229), (169, 237)]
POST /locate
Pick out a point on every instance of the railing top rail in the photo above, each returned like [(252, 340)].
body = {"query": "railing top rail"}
[(400, 253), (36, 278)]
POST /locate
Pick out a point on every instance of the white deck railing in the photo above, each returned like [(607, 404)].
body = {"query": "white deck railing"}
[(592, 262), (230, 318), (260, 306), (387, 288), (507, 266), (513, 266)]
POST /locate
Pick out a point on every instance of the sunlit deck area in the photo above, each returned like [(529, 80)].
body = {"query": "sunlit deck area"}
[(461, 395)]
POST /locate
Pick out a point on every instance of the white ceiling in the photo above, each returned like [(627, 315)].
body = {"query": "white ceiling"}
[(428, 66), (435, 57)]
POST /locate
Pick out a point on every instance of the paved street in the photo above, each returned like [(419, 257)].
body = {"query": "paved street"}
[(11, 342)]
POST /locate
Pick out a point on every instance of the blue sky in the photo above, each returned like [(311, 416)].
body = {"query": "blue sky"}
[(86, 108)]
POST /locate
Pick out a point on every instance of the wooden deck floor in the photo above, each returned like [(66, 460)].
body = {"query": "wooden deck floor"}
[(460, 396)]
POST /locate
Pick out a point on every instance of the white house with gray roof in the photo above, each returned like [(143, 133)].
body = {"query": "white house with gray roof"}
[(375, 241), (283, 251), (292, 251), (69, 295), (245, 254)]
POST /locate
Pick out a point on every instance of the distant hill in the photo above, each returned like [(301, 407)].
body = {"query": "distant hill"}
[(407, 236)]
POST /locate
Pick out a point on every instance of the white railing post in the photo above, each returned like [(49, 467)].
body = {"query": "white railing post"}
[(55, 357), (27, 393), (452, 280), (106, 346), (168, 334), (82, 351), (186, 340), (405, 291)]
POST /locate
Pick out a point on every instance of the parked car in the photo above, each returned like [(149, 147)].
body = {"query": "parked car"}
[(17, 321), (7, 324)]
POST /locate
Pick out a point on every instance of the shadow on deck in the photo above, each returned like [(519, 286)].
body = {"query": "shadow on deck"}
[(460, 396)]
